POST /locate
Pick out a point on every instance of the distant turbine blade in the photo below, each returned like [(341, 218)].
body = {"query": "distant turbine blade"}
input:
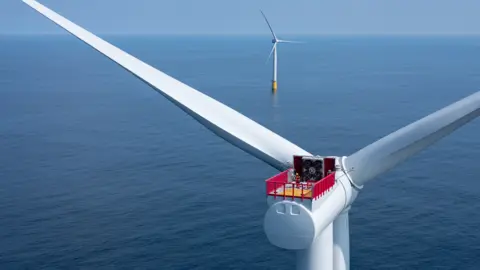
[(225, 122), (391, 150), (289, 41), (269, 26), (273, 48)]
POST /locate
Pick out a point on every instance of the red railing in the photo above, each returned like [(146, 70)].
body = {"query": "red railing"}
[(323, 186), (278, 186)]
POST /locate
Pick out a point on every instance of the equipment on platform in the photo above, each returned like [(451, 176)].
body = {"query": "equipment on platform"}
[(312, 168)]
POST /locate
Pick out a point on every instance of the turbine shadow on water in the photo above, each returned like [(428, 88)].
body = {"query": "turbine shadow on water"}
[(276, 114)]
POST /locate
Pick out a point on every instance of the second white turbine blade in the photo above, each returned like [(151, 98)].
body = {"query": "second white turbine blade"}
[(389, 151), (270, 55), (289, 41), (222, 120)]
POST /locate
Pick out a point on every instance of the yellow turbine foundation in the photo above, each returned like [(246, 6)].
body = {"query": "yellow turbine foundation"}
[(274, 86)]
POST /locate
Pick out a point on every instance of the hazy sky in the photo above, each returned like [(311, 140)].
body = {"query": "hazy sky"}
[(243, 16)]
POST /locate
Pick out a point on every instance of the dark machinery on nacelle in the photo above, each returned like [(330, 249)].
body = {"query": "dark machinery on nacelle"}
[(313, 168)]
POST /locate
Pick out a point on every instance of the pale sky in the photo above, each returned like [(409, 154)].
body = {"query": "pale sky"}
[(243, 16)]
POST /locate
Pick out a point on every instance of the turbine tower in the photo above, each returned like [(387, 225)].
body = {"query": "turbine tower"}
[(309, 200), (275, 41)]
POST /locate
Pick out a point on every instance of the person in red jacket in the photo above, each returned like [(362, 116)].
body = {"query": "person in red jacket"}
[(297, 177)]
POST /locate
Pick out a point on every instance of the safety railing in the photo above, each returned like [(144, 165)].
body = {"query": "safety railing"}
[(278, 186), (323, 186)]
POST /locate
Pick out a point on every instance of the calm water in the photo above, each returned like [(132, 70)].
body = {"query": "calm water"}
[(99, 171)]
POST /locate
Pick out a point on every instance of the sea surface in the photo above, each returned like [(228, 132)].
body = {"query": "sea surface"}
[(98, 171)]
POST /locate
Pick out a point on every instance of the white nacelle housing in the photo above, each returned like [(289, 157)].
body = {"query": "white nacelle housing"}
[(289, 225), (298, 211)]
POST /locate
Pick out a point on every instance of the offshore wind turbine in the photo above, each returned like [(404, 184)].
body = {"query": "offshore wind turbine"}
[(309, 217), (275, 41)]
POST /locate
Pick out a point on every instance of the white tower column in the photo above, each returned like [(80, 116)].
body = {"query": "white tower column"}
[(274, 81), (319, 255), (341, 242)]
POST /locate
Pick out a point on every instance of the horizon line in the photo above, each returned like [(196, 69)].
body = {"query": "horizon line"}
[(238, 34)]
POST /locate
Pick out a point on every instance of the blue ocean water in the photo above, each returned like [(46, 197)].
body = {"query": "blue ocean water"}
[(97, 171)]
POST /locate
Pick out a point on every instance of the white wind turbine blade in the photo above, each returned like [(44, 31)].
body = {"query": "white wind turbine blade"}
[(222, 120), (270, 55), (269, 26), (391, 150), (289, 41)]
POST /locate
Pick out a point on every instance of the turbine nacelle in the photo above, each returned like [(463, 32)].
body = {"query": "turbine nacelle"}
[(305, 199)]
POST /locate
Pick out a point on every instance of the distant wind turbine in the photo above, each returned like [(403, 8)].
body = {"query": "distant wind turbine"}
[(275, 41)]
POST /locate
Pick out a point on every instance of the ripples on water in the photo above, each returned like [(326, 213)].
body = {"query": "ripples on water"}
[(98, 171)]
